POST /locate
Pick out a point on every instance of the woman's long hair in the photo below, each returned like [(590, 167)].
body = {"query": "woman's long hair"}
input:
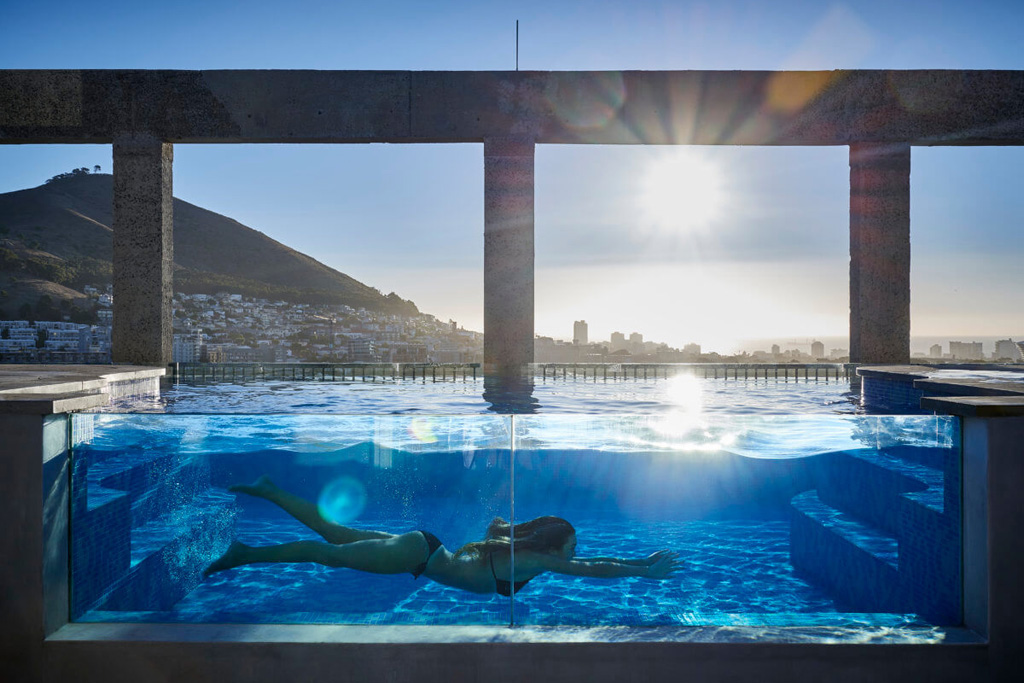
[(547, 534)]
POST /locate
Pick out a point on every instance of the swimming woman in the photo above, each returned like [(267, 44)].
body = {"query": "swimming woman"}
[(545, 544)]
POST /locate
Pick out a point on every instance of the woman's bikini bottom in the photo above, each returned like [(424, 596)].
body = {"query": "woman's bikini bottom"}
[(432, 545)]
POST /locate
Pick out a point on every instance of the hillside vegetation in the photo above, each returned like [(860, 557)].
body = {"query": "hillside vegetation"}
[(58, 237)]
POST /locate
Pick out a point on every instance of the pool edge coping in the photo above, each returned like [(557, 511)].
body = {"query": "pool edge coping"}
[(445, 635)]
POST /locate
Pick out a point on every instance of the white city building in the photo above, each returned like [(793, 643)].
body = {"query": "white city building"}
[(579, 332), (187, 348), (1007, 348), (966, 350)]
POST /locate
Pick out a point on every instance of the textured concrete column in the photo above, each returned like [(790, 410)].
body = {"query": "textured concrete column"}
[(994, 538), (508, 253), (879, 253), (143, 251), (21, 546), (34, 544)]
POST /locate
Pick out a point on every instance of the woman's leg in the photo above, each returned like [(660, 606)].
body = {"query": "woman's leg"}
[(392, 555), (306, 512)]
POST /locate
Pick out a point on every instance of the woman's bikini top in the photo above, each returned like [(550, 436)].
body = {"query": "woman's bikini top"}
[(501, 586)]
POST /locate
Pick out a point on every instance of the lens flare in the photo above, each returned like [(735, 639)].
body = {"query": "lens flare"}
[(422, 430), (590, 102), (342, 500)]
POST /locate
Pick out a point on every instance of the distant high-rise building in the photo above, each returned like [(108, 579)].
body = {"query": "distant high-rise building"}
[(1007, 348), (187, 348), (966, 350), (776, 350), (935, 351), (817, 350), (692, 349), (636, 338), (618, 341), (579, 332)]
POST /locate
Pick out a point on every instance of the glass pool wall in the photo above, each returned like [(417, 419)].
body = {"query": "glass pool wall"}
[(779, 520)]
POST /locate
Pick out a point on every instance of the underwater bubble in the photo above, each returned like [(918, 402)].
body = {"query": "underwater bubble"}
[(342, 500)]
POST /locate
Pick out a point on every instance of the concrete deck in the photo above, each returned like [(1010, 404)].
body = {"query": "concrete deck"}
[(976, 406), (990, 391), (51, 389)]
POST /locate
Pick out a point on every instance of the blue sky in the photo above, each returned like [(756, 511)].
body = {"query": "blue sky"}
[(770, 260)]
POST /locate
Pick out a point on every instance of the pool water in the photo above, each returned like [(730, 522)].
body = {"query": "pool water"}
[(467, 396), (780, 519), (737, 572)]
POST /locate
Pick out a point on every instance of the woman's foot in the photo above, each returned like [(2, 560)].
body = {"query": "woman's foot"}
[(233, 557), (261, 488)]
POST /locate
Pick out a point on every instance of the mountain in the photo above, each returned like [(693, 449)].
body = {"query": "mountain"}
[(57, 238)]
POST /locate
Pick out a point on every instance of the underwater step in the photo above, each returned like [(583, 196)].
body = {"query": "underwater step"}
[(869, 484), (856, 562), (100, 550), (155, 482), (169, 553), (930, 556)]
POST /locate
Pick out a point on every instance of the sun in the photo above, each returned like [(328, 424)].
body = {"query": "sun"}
[(682, 191)]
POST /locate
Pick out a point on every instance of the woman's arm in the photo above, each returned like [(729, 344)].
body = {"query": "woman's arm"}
[(633, 561), (662, 565)]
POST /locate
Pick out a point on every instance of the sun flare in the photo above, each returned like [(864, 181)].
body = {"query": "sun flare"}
[(682, 191)]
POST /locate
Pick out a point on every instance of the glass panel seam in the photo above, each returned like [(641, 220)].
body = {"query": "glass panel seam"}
[(512, 521)]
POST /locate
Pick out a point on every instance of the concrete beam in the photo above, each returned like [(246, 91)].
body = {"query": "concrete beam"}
[(508, 253), (918, 107), (143, 251), (880, 253)]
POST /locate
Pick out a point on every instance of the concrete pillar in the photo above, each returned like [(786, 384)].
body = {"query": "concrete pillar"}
[(34, 543), (879, 253), (508, 253), (143, 250), (994, 538)]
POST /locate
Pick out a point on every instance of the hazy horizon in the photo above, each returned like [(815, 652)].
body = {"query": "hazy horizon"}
[(918, 344)]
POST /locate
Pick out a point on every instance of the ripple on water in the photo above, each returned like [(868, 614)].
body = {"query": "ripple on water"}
[(624, 396)]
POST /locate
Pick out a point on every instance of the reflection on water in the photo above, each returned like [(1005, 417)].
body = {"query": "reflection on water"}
[(329, 438), (510, 393), (513, 393), (772, 437)]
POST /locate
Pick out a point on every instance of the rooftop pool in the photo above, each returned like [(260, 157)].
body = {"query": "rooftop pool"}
[(546, 395), (786, 502), (779, 520)]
